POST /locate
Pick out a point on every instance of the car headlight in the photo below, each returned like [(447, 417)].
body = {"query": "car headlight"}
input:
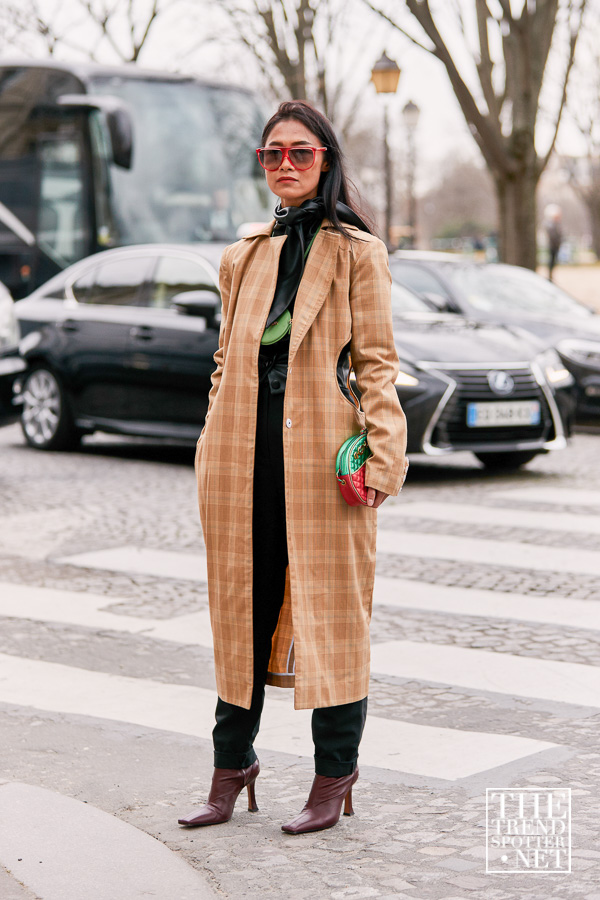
[(9, 326), (406, 380), (403, 379), (553, 369), (580, 351)]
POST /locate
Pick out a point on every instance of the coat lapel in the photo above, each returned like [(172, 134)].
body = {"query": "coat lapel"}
[(260, 277), (314, 286)]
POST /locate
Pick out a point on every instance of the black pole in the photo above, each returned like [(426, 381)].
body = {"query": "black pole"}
[(412, 200), (387, 164)]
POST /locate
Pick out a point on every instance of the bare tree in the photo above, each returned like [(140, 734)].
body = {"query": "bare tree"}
[(584, 109), (294, 43), (506, 93), (123, 25), (586, 184), (462, 202)]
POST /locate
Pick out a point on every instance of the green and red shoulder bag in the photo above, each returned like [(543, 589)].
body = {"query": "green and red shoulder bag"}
[(350, 468)]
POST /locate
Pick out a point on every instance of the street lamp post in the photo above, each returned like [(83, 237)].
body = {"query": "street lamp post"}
[(385, 75), (411, 114)]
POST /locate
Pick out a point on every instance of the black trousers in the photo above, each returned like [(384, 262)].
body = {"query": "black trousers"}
[(336, 730)]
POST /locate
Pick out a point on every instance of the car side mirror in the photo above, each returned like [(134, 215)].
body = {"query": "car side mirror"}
[(120, 128), (204, 303), (440, 302), (118, 121)]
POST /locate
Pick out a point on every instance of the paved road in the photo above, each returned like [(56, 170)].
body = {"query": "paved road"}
[(485, 662)]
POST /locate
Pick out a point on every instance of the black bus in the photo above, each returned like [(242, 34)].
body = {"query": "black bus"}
[(94, 157)]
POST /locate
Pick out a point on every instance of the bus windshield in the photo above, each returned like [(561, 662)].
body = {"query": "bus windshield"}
[(194, 176)]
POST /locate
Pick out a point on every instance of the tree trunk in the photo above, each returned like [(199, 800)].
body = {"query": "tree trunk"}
[(517, 217), (593, 205)]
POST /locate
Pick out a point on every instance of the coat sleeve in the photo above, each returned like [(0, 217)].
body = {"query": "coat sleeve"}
[(219, 354), (376, 365)]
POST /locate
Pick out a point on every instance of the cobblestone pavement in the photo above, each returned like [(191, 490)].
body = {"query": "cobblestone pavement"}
[(415, 835), (582, 282)]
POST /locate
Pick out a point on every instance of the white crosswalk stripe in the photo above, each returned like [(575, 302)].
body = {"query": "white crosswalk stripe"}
[(485, 670), (465, 514), (556, 496), (418, 749), (157, 563), (187, 566), (446, 753), (89, 610), (487, 552), (409, 594)]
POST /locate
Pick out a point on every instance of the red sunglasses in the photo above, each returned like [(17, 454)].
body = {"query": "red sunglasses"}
[(271, 158)]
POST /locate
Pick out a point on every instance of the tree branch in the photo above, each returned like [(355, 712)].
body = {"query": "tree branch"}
[(543, 23), (399, 28), (102, 18), (506, 11), (252, 41), (137, 46), (572, 46), (487, 137), (485, 66), (284, 63)]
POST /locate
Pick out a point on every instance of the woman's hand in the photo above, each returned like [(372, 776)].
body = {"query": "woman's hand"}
[(375, 498)]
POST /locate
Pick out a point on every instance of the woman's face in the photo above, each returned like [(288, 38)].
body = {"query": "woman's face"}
[(293, 186)]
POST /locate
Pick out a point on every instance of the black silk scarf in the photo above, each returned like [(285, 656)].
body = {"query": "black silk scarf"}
[(300, 223)]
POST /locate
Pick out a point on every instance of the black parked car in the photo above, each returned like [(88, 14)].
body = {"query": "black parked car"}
[(468, 386), (124, 341), (514, 296), (11, 364)]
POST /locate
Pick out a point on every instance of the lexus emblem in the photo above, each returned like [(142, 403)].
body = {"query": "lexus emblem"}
[(501, 382)]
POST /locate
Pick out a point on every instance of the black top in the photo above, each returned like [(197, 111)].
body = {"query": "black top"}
[(300, 224), (273, 364)]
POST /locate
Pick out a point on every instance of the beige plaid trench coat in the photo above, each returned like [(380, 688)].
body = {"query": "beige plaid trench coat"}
[(321, 646)]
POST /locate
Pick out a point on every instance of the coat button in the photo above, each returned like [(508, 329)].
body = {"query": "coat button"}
[(288, 422), (275, 384)]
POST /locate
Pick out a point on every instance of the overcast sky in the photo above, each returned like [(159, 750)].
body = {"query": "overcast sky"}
[(177, 44)]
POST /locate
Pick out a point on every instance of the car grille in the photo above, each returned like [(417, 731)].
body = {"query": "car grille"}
[(472, 386)]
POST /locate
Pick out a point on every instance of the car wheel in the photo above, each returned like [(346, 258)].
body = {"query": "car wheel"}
[(508, 461), (46, 417)]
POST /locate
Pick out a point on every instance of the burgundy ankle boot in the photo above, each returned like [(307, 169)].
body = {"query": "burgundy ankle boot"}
[(227, 785), (324, 805)]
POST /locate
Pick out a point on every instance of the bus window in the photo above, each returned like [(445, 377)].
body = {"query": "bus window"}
[(194, 175), (42, 175), (61, 224), (194, 171), (106, 232)]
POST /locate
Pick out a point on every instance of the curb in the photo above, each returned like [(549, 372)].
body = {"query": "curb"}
[(62, 849)]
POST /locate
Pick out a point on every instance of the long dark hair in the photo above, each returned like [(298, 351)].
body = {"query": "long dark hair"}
[(334, 184)]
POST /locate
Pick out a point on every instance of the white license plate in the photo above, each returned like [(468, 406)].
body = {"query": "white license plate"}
[(520, 412)]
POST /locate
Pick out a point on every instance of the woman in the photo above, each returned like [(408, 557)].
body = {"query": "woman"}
[(290, 565)]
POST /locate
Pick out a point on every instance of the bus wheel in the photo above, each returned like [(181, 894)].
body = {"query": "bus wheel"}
[(46, 417)]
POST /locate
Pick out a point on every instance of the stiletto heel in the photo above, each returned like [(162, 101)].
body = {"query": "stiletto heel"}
[(227, 785), (252, 807), (348, 811)]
